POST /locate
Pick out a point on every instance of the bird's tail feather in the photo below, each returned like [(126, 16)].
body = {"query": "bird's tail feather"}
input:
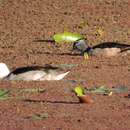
[(4, 70)]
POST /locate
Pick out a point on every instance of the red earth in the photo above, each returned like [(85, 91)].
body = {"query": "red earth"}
[(23, 21)]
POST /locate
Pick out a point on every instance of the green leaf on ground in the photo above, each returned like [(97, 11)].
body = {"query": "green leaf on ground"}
[(3, 94), (39, 116), (120, 89), (79, 91), (67, 37), (100, 90), (33, 90), (107, 91)]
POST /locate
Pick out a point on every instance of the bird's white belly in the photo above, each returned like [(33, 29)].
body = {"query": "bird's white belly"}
[(111, 51), (108, 52), (27, 76)]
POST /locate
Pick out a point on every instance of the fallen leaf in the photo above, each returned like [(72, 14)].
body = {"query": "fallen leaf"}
[(100, 90), (99, 32), (86, 99), (67, 37), (39, 116), (107, 91), (120, 89), (37, 90), (79, 91), (3, 94)]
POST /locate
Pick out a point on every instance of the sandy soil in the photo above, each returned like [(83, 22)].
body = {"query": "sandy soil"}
[(23, 21)]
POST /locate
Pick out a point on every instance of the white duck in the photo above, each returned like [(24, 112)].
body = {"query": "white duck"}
[(38, 73)]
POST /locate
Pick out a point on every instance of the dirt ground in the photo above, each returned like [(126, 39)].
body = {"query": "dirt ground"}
[(23, 21)]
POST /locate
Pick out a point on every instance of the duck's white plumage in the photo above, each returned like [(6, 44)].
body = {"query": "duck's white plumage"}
[(4, 70), (54, 76), (32, 73)]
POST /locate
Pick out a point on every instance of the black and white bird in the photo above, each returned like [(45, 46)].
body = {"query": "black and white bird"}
[(34, 73), (105, 49)]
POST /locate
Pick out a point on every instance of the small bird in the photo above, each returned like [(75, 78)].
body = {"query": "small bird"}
[(32, 73), (107, 49)]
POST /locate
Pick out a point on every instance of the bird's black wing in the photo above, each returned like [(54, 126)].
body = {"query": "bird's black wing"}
[(111, 45), (26, 69)]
